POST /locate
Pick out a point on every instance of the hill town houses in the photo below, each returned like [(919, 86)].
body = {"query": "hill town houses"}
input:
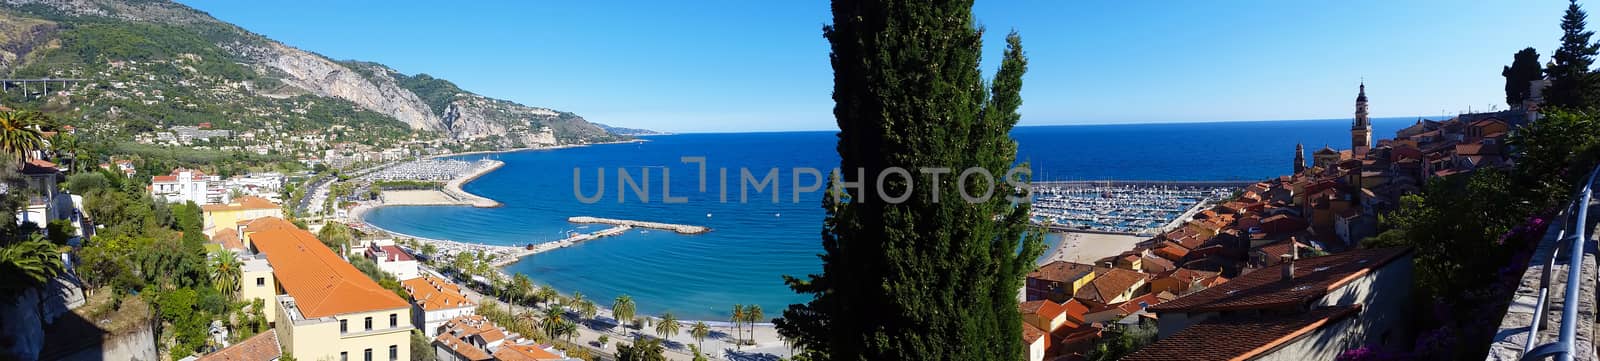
[(1277, 271)]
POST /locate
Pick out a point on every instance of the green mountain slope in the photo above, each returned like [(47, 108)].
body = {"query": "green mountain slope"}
[(150, 65)]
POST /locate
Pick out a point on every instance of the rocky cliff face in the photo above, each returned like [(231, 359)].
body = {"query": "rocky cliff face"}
[(19, 36), (421, 102), (324, 77)]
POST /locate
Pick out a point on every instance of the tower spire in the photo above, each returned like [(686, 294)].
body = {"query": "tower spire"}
[(1361, 128)]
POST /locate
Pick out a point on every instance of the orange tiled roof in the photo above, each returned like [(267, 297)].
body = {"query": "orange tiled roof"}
[(1156, 264), (241, 203), (524, 353), (1313, 278), (466, 350), (261, 347), (462, 334), (1239, 339), (266, 224), (229, 239), (1031, 333), (431, 293), (321, 283), (1111, 283), (1061, 271)]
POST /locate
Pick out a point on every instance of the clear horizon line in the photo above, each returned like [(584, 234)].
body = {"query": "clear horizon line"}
[(1064, 125)]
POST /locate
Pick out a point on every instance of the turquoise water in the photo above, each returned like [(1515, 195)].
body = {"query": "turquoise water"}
[(753, 244)]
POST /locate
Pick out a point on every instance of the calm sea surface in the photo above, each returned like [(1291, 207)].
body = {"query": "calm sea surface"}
[(753, 244)]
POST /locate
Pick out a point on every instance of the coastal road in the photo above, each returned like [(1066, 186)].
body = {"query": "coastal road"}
[(316, 191), (720, 346)]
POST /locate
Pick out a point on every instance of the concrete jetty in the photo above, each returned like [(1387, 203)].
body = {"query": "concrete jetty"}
[(680, 228), (564, 242)]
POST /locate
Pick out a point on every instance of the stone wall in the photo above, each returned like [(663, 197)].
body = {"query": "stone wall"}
[(1513, 333)]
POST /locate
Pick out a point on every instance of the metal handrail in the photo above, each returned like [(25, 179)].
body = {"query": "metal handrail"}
[(1564, 346)]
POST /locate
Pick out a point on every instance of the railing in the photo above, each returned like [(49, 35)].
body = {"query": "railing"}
[(1566, 341)]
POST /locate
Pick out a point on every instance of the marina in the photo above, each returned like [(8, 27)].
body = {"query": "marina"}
[(1134, 208)]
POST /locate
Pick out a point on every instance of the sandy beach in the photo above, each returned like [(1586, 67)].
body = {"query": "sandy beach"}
[(1087, 248)]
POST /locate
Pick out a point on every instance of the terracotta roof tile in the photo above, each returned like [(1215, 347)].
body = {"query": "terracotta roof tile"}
[(241, 203), (229, 239), (462, 334), (261, 347), (1030, 333), (1239, 339), (1156, 264), (266, 224), (1313, 277), (432, 293), (1061, 271), (524, 353), (321, 283)]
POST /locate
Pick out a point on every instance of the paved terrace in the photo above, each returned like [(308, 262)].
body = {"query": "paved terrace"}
[(1512, 337)]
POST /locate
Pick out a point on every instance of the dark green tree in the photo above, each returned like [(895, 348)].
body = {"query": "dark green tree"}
[(1571, 82), (1524, 68), (915, 270)]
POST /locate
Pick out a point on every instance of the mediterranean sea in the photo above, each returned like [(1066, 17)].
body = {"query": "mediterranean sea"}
[(753, 244)]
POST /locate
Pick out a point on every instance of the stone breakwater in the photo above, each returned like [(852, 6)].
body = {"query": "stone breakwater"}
[(680, 228), (453, 188)]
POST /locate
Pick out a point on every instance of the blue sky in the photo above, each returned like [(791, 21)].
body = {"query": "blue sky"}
[(762, 65)]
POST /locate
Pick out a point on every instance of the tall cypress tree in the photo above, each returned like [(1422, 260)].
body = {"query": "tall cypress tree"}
[(935, 277), (1570, 79), (1523, 70)]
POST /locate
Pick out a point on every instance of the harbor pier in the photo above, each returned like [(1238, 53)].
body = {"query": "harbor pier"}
[(680, 228)]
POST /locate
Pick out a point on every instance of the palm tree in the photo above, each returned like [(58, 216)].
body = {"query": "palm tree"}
[(520, 286), (623, 309), (569, 329), (588, 309), (428, 249), (528, 318), (699, 331), (546, 294), (668, 326), (70, 147), (552, 321), (28, 264), (575, 301), (225, 273), (498, 285), (20, 134), (753, 315), (738, 317)]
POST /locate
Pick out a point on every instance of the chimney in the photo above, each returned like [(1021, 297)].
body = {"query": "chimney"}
[(1288, 267), (1294, 255)]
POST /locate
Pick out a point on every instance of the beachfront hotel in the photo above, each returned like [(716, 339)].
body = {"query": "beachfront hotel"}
[(324, 308)]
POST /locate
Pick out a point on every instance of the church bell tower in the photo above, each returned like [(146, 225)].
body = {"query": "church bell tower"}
[(1361, 130), (1299, 158)]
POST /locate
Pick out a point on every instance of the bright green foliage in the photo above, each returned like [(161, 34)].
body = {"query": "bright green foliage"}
[(1571, 81), (641, 350), (28, 264), (921, 279), (1524, 69), (19, 133), (336, 236), (623, 310), (421, 347), (668, 326), (699, 331)]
